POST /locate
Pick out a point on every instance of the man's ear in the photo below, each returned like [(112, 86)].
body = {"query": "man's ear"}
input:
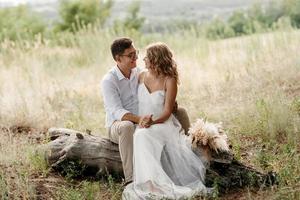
[(118, 58)]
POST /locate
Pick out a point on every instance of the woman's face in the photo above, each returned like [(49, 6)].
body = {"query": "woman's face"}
[(147, 62)]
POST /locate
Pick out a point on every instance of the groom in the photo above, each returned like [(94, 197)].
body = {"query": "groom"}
[(119, 90)]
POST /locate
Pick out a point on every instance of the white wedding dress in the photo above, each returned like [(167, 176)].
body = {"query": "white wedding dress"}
[(165, 167)]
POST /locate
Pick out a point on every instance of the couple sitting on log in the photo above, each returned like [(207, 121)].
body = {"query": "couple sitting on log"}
[(142, 117), (150, 138)]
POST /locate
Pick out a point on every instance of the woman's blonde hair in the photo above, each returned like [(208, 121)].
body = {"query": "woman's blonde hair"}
[(161, 60)]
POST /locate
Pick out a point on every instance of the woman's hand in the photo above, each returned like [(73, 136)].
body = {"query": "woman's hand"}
[(145, 121)]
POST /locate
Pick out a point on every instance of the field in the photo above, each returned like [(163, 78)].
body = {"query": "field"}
[(251, 84)]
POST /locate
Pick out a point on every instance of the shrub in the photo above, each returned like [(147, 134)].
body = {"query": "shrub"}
[(133, 22), (283, 14), (18, 23), (240, 23), (218, 29), (78, 14)]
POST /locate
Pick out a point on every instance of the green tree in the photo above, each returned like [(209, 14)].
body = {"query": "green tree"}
[(258, 18), (76, 14), (283, 23), (19, 23), (283, 14), (274, 11), (240, 23), (257, 13), (292, 9), (133, 21), (218, 29)]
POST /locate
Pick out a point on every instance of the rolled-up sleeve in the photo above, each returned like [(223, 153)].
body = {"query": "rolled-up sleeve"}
[(112, 100)]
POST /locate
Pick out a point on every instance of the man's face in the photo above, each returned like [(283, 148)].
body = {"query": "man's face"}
[(128, 58)]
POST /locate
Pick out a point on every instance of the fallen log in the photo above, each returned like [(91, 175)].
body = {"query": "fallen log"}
[(93, 155)]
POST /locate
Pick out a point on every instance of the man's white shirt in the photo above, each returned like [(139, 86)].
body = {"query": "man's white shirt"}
[(119, 94)]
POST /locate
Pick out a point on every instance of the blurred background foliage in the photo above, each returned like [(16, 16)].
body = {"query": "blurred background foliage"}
[(133, 21), (50, 72), (22, 23), (77, 14), (19, 23)]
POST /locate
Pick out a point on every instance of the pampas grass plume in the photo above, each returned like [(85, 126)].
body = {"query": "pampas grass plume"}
[(206, 133)]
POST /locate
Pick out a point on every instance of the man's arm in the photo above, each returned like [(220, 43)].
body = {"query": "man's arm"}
[(131, 117), (113, 104), (112, 100)]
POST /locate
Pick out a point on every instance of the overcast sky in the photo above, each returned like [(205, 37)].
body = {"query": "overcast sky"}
[(16, 2)]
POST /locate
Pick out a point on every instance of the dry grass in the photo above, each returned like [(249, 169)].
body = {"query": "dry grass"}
[(250, 83)]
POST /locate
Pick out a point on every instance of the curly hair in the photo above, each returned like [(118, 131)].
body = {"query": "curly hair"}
[(161, 60)]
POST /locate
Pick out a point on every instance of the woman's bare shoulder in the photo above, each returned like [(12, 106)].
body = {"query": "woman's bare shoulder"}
[(141, 75)]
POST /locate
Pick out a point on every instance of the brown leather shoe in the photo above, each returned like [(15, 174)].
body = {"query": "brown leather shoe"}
[(127, 182)]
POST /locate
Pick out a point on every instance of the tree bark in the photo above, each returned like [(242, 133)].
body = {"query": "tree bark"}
[(78, 153)]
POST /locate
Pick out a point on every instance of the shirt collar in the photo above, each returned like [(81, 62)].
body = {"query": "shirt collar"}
[(120, 74)]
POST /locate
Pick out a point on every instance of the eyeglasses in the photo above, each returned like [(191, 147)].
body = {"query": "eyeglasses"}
[(132, 55)]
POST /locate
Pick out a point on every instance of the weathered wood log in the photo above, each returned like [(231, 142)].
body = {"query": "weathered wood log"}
[(90, 151), (97, 155)]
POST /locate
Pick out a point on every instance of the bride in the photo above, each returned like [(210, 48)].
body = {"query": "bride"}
[(164, 164)]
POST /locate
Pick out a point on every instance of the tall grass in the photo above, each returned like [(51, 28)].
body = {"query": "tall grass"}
[(250, 83)]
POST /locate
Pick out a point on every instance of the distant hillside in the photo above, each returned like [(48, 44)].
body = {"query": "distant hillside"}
[(155, 11)]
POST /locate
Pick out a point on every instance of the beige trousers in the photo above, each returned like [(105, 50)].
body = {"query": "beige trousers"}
[(121, 132)]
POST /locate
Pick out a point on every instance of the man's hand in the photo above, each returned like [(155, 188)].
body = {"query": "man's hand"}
[(145, 121)]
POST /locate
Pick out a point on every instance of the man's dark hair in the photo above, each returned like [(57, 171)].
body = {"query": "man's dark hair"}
[(119, 45)]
